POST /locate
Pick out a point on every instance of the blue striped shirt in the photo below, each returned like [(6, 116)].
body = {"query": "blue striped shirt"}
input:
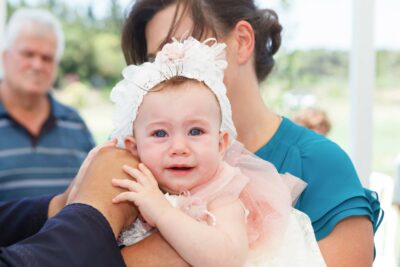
[(43, 164)]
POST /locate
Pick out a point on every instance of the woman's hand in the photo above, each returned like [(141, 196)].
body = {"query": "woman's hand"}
[(143, 192)]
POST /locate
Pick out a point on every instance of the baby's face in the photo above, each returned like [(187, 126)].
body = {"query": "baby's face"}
[(178, 137)]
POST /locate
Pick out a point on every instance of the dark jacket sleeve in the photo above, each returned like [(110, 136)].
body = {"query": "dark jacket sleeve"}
[(22, 218), (78, 235)]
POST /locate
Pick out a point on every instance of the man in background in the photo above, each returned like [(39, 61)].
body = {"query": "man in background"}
[(42, 142)]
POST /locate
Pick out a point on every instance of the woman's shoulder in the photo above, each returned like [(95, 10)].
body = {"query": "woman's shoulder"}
[(300, 151), (334, 191), (306, 140), (315, 148)]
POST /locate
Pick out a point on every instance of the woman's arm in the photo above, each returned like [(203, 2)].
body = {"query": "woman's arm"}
[(154, 251), (341, 210), (350, 243)]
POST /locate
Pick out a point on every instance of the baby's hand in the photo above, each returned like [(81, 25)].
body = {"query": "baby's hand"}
[(144, 192)]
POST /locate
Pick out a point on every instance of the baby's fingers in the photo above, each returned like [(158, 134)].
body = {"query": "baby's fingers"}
[(148, 173), (125, 196), (126, 184), (140, 177)]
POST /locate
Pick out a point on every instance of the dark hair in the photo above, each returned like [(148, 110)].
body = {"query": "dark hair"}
[(219, 16)]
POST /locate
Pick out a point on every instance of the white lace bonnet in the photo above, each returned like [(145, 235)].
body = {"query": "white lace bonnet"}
[(190, 58)]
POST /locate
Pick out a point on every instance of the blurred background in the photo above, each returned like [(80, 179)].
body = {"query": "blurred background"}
[(312, 70)]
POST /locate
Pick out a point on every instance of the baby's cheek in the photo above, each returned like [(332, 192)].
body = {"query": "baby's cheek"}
[(213, 161), (150, 162), (148, 152)]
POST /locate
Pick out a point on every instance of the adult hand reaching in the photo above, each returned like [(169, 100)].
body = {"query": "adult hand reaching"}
[(72, 189), (85, 227), (93, 184), (60, 200)]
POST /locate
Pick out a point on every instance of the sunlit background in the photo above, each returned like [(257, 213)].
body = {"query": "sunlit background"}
[(312, 70)]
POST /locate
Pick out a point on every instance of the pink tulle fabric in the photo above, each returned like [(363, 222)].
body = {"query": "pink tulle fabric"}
[(266, 195)]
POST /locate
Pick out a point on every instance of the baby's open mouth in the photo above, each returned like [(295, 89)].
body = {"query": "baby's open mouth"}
[(180, 170)]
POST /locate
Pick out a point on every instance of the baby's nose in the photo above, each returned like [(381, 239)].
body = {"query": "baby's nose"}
[(179, 146)]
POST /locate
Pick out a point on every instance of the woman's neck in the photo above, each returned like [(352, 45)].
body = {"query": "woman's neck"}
[(254, 122)]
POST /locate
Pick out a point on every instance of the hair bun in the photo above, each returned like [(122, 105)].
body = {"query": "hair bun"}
[(268, 40)]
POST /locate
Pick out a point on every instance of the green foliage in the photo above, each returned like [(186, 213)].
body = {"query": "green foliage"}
[(388, 68), (75, 94), (328, 68), (109, 60), (93, 53), (79, 56), (306, 68)]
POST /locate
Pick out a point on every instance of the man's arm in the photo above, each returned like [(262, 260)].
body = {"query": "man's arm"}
[(22, 218), (83, 233), (95, 187), (350, 243), (59, 201), (79, 235)]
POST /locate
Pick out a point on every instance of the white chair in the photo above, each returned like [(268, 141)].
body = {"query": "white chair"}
[(385, 237)]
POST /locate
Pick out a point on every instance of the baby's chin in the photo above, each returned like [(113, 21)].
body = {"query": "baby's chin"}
[(174, 191)]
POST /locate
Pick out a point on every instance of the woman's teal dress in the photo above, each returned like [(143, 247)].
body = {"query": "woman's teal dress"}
[(334, 191)]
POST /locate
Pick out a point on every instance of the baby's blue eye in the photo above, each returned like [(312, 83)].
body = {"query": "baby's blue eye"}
[(159, 133), (196, 131)]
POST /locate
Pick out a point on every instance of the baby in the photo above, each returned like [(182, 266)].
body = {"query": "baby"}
[(214, 202)]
